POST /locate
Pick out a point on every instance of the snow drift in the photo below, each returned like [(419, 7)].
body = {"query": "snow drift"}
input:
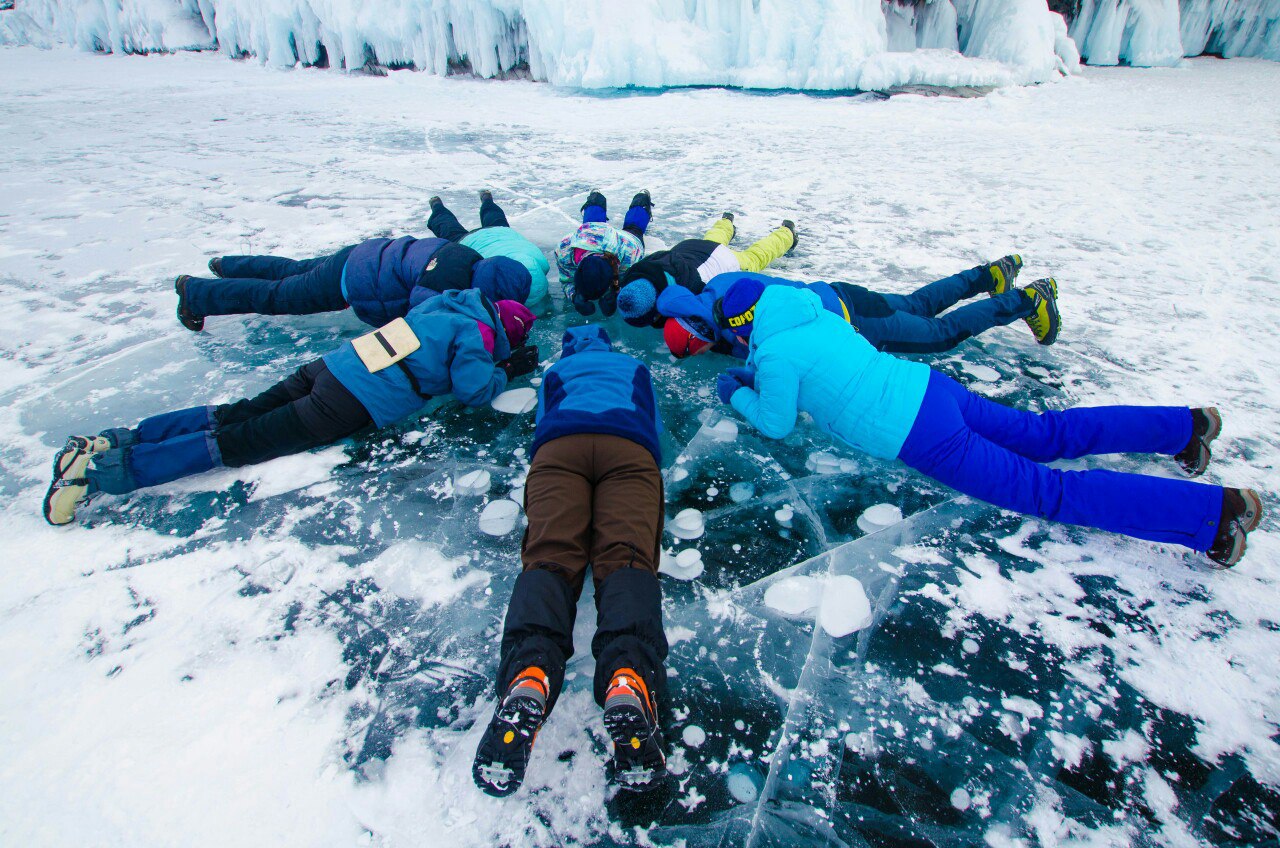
[(790, 44)]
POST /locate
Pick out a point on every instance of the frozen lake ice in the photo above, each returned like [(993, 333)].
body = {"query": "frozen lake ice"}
[(300, 653)]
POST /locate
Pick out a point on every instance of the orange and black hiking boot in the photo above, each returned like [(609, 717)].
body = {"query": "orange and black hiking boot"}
[(630, 717), (504, 750)]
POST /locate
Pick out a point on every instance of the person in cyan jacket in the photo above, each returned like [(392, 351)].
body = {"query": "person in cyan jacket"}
[(593, 497), (465, 349), (379, 279), (692, 264), (892, 408), (591, 258), (494, 238), (890, 322)]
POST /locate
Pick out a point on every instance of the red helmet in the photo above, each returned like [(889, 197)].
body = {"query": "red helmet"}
[(681, 340)]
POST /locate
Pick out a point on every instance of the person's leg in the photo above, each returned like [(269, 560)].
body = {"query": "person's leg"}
[(627, 508), (942, 445), (555, 551), (491, 214), (639, 214), (721, 232), (325, 414), (907, 332), (1071, 433), (319, 289), (943, 294), (443, 223), (762, 254), (596, 209), (266, 267), (296, 385)]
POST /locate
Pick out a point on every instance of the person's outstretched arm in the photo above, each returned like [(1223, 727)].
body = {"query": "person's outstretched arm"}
[(476, 379), (771, 405)]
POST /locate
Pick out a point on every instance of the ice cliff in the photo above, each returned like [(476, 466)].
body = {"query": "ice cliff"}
[(793, 44)]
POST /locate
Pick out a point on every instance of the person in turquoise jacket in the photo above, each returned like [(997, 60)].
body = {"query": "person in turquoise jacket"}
[(893, 408), (494, 238)]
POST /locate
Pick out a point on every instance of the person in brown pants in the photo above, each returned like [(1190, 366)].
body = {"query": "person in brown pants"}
[(593, 497)]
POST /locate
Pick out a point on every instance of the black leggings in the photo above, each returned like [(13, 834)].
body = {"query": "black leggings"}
[(305, 410)]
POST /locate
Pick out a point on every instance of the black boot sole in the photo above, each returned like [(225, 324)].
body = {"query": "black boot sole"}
[(632, 733)]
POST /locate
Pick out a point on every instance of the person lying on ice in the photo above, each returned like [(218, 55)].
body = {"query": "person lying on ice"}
[(891, 408), (380, 279), (458, 342), (494, 238), (591, 258), (890, 322), (593, 497), (692, 264)]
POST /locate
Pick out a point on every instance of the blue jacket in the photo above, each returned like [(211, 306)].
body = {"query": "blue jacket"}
[(808, 359), (504, 241), (594, 390), (381, 273), (452, 359), (698, 310)]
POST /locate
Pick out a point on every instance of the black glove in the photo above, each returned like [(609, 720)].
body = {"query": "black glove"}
[(521, 361)]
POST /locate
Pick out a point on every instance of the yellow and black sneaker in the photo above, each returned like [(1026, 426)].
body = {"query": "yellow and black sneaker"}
[(504, 749), (1241, 514), (1206, 424), (630, 717), (1044, 320), (70, 488), (1003, 273)]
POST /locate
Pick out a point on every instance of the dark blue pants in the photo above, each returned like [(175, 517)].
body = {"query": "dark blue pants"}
[(444, 224), (597, 212), (993, 452), (271, 285), (307, 409), (913, 324)]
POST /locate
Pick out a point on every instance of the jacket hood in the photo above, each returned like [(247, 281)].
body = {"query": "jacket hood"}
[(579, 339), (782, 308), (501, 278), (473, 305)]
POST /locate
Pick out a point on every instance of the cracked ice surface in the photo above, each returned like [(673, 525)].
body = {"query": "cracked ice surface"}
[(299, 653)]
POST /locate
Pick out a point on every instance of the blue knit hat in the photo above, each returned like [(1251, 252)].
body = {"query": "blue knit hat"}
[(593, 277), (737, 311), (637, 299), (502, 278)]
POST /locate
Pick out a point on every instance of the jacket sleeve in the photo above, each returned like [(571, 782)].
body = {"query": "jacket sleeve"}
[(475, 378), (771, 406), (564, 258)]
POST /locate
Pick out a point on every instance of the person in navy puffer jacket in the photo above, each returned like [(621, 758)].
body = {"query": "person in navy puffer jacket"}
[(380, 279), (593, 497), (893, 408), (465, 348)]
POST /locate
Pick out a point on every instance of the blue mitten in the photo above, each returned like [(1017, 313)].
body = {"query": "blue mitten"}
[(584, 306), (609, 302), (745, 376), (726, 385)]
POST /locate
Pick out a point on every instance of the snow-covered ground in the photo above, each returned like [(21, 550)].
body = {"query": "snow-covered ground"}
[(298, 654)]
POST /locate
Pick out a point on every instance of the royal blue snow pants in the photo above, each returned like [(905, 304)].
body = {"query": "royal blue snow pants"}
[(994, 453), (444, 224), (912, 323), (307, 409), (271, 285)]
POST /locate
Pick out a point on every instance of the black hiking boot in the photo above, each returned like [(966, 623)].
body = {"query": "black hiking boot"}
[(486, 196), (643, 199), (795, 237), (503, 754), (435, 202), (1241, 513), (215, 266), (630, 717), (186, 317), (1206, 424)]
